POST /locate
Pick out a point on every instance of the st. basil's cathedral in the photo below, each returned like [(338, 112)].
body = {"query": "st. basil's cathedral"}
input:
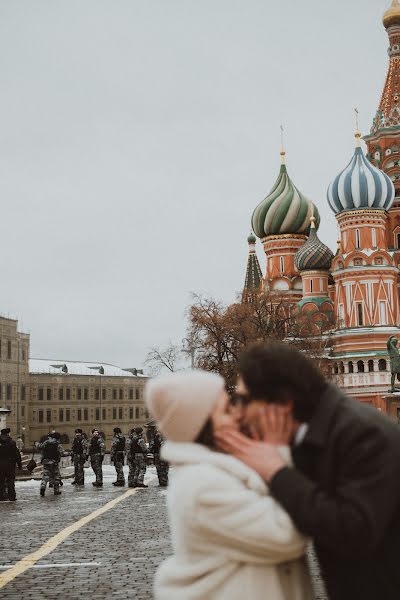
[(354, 292)]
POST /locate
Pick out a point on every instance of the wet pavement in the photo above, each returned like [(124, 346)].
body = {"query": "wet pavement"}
[(113, 556)]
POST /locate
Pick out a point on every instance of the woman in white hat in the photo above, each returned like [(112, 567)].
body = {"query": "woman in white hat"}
[(230, 537)]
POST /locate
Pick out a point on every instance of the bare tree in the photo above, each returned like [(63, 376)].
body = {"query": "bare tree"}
[(164, 359), (222, 332)]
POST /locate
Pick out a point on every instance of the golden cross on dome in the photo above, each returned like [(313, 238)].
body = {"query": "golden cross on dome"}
[(283, 153), (357, 134)]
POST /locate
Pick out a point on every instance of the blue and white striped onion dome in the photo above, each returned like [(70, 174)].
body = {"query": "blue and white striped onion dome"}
[(360, 185), (285, 210)]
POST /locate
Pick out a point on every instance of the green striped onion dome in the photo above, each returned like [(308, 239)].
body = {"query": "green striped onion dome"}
[(314, 255), (285, 210)]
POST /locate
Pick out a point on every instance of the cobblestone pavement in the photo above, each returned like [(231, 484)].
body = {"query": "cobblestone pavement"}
[(113, 556)]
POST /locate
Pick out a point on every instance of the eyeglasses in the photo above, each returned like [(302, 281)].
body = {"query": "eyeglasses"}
[(239, 400)]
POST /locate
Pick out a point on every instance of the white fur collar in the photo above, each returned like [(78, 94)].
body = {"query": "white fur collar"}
[(182, 454)]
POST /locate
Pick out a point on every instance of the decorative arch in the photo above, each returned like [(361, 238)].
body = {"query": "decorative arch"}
[(353, 256), (280, 285), (387, 259), (382, 364)]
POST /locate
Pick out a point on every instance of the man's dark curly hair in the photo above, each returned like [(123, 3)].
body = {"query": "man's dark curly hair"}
[(276, 373)]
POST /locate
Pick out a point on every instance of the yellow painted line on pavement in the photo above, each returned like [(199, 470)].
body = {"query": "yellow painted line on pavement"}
[(30, 559)]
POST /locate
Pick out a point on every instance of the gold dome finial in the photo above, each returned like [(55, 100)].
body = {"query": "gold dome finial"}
[(282, 152), (312, 218), (392, 15), (357, 133)]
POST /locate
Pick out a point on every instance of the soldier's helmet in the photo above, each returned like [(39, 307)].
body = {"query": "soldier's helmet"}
[(138, 430), (78, 430), (117, 430), (56, 435)]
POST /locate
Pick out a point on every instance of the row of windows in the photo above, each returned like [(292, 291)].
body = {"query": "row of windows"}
[(83, 394), (7, 392), (64, 415), (21, 410), (6, 345), (360, 366)]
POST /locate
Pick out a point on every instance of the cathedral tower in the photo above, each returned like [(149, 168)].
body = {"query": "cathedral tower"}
[(282, 222), (365, 275), (383, 140), (253, 280), (313, 261)]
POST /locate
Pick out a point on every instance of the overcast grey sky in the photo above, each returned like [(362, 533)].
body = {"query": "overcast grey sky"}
[(136, 138)]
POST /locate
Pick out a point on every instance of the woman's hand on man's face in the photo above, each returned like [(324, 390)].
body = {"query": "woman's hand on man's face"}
[(262, 457), (271, 423)]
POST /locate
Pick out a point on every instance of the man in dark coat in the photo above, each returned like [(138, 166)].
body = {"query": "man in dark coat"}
[(344, 490), (10, 456)]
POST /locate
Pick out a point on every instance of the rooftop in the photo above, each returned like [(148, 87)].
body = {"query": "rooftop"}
[(41, 366)]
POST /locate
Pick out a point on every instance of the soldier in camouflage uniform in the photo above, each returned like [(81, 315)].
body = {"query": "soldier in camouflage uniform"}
[(161, 465), (96, 452), (117, 455), (130, 459), (138, 454), (51, 454), (79, 457)]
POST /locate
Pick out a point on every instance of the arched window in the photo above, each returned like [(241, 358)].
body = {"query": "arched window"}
[(382, 364), (351, 369), (341, 367), (370, 365), (335, 368), (360, 366)]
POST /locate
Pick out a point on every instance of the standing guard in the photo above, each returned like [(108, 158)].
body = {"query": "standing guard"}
[(52, 452), (96, 452), (161, 465), (79, 457), (117, 454), (10, 456), (130, 458), (138, 453)]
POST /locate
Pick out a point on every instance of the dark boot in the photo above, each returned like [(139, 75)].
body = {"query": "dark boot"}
[(73, 483), (42, 491), (57, 492), (141, 485), (119, 483)]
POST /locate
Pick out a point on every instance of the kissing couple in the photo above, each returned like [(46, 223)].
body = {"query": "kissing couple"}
[(284, 460)]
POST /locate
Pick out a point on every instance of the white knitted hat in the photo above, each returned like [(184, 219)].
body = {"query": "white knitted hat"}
[(181, 403)]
